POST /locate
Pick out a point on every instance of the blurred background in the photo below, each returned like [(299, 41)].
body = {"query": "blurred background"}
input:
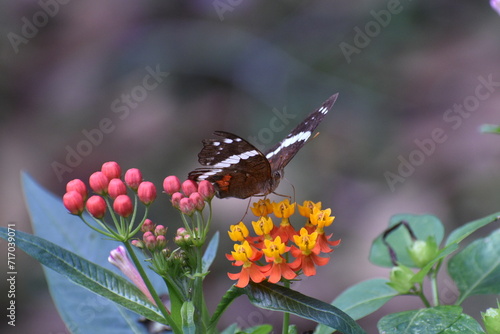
[(142, 83)]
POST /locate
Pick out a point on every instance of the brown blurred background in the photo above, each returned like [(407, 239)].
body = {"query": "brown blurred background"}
[(402, 68)]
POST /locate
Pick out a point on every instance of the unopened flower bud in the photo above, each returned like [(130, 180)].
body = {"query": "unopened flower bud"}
[(491, 320), (116, 187), (73, 201), (199, 203), (112, 170), (149, 240), (147, 226), (138, 243), (400, 279), (160, 230), (99, 183), (161, 242), (146, 192), (186, 205), (123, 205), (176, 199), (133, 177), (206, 190), (78, 186), (189, 187), (171, 184), (422, 252), (96, 206)]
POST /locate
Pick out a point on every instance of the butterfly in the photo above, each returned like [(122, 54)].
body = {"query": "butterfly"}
[(238, 169)]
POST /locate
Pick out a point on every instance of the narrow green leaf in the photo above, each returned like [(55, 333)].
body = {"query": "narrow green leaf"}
[(231, 329), (476, 269), (427, 320), (187, 312), (422, 225), (490, 128), (226, 300), (85, 273), (210, 252), (278, 298), (464, 231)]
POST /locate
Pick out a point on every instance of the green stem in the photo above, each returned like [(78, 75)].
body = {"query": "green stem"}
[(420, 293), (286, 315), (151, 289), (198, 292)]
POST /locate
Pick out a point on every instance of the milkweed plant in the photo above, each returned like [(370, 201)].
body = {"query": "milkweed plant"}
[(158, 285)]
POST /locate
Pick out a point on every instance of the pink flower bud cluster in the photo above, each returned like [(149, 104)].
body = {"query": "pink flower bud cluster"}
[(108, 182), (193, 195), (153, 238)]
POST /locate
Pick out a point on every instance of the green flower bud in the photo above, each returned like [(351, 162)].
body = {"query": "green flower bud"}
[(423, 252), (400, 277), (491, 319)]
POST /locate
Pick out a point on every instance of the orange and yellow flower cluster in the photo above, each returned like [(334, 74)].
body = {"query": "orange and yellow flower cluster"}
[(278, 244)]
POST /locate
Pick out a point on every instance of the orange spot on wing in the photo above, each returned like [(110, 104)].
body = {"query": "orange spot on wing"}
[(224, 182)]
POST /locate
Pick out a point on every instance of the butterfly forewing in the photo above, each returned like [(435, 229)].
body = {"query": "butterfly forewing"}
[(281, 154), (233, 165)]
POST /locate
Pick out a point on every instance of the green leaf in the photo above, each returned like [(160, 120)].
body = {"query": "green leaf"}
[(187, 312), (476, 269), (94, 313), (85, 273), (278, 298), (423, 226), (440, 319), (490, 128), (464, 231), (210, 252), (361, 299), (226, 300)]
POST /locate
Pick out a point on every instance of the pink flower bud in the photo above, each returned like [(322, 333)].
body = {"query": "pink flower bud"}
[(199, 203), (119, 258), (176, 199), (161, 242), (149, 240), (160, 230), (146, 192), (206, 190), (99, 183), (138, 243), (112, 170), (186, 205), (78, 186), (96, 206), (148, 226), (73, 201), (123, 205), (189, 187), (116, 187), (133, 177), (181, 231), (171, 184)]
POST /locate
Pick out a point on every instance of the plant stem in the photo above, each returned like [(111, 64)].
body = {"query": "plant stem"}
[(420, 293), (286, 315), (151, 289), (198, 292)]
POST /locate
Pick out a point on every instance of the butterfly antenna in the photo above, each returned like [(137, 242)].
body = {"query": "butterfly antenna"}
[(246, 211)]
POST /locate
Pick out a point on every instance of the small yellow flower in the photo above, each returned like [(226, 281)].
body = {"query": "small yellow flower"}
[(238, 232), (242, 252), (307, 208), (262, 208), (321, 218), (305, 241), (274, 249), (263, 226), (283, 209)]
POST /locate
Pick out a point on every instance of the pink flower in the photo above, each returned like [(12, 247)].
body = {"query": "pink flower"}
[(116, 187), (123, 206), (171, 184), (119, 258), (189, 187), (187, 206), (99, 183), (73, 201), (96, 206), (198, 201), (146, 192), (112, 170), (78, 186), (176, 199), (206, 190), (133, 177)]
